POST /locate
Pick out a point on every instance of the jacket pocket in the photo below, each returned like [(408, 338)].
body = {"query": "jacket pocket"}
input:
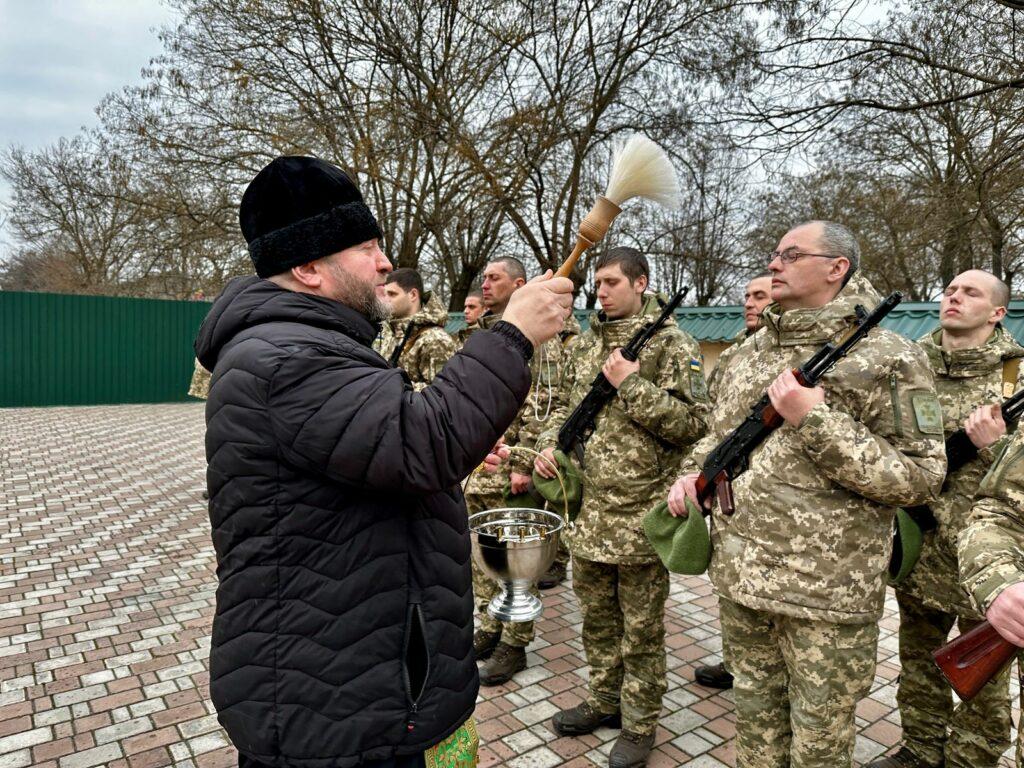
[(415, 657)]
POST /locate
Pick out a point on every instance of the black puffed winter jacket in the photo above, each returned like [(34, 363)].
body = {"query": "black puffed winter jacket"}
[(343, 629)]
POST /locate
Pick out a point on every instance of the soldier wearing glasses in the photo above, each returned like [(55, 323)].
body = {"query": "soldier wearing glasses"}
[(800, 567)]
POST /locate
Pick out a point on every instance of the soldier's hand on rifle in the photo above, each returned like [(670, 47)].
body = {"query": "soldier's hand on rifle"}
[(616, 368), (498, 454), (985, 425), (792, 400), (518, 483), (542, 467), (1006, 614), (682, 489)]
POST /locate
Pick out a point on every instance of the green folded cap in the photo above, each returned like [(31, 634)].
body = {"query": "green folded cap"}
[(906, 547), (551, 489), (530, 499), (682, 543)]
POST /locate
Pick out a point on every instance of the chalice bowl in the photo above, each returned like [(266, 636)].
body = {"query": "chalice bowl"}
[(515, 547)]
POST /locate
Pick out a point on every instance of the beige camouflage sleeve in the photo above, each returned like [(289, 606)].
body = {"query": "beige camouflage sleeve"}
[(715, 377), (562, 406), (540, 404), (674, 407), (896, 455), (437, 349), (991, 547)]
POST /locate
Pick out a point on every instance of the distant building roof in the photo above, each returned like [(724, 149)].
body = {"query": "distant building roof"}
[(912, 319)]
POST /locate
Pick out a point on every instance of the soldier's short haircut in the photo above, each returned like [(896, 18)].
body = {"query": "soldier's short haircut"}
[(406, 278), (838, 240), (1000, 292), (513, 266), (632, 263), (476, 293)]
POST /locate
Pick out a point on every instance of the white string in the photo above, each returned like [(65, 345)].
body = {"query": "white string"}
[(543, 362)]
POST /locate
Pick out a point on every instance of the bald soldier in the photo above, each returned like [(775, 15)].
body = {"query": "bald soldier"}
[(976, 363), (756, 297), (800, 566)]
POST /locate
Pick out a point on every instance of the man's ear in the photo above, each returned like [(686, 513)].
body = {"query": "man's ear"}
[(837, 273), (997, 314), (520, 282), (414, 293), (307, 275), (641, 282)]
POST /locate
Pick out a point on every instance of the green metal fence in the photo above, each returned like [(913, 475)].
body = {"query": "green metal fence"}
[(93, 350), (89, 350)]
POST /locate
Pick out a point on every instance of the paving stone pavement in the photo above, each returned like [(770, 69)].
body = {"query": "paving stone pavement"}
[(107, 580)]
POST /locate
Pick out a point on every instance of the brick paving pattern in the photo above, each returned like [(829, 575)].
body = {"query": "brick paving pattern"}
[(107, 585)]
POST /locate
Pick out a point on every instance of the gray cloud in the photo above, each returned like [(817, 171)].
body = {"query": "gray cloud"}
[(58, 58)]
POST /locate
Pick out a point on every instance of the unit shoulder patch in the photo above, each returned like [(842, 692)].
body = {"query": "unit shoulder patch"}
[(927, 413)]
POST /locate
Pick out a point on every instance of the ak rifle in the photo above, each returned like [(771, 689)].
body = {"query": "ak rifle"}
[(731, 457), (972, 659), (578, 428)]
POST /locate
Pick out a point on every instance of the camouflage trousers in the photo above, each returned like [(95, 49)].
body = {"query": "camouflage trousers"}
[(978, 730), (624, 638), (518, 634), (797, 684)]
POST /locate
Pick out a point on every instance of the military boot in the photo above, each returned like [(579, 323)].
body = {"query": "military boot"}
[(582, 719), (484, 643), (903, 758), (713, 676), (630, 750), (555, 575), (504, 662)]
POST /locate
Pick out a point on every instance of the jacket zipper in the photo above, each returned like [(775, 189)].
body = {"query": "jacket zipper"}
[(414, 704)]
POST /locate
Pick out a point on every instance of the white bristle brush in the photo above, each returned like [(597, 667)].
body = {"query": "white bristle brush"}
[(640, 168)]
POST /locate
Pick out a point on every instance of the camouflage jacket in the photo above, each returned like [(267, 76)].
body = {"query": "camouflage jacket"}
[(715, 378), (570, 333), (535, 415), (964, 379), (200, 384), (812, 531), (429, 347), (635, 450), (460, 336), (991, 547)]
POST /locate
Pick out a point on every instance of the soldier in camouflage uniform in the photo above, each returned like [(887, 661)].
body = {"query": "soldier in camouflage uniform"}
[(801, 566), (416, 326), (559, 567), (503, 645), (991, 551), (200, 384), (972, 357), (756, 297), (472, 308), (661, 407)]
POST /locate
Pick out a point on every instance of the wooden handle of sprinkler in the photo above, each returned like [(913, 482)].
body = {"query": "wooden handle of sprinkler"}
[(593, 227)]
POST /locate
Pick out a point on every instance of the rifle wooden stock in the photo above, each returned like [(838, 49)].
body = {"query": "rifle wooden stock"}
[(973, 659)]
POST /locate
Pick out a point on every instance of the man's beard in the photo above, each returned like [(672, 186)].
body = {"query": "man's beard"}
[(360, 296)]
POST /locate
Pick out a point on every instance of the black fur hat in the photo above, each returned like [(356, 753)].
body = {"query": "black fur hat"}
[(299, 209)]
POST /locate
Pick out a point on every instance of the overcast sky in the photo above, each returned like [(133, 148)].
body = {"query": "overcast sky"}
[(58, 58)]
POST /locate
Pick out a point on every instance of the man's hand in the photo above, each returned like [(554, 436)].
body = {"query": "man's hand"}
[(616, 368), (1006, 614), (792, 400), (985, 425), (542, 467), (540, 307), (518, 483), (682, 489), (493, 460)]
